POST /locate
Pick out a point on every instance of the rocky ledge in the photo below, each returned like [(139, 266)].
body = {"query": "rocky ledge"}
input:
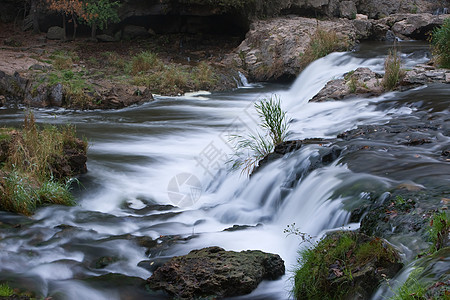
[(104, 94), (365, 82), (214, 272), (273, 48)]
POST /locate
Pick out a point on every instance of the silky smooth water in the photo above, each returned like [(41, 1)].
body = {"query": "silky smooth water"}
[(173, 151)]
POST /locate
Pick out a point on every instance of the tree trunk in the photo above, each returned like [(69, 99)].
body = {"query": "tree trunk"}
[(93, 30), (64, 25), (34, 10), (75, 25)]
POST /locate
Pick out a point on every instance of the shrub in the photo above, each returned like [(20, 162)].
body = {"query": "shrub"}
[(393, 72), (322, 43), (440, 40)]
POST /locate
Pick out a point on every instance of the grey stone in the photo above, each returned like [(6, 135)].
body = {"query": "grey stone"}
[(105, 38), (55, 33), (390, 36), (347, 9), (214, 272), (363, 28), (132, 31), (56, 95)]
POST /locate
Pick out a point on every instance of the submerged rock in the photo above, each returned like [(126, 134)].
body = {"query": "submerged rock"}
[(215, 272)]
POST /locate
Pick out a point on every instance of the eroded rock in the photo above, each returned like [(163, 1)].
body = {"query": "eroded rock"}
[(272, 48), (215, 272)]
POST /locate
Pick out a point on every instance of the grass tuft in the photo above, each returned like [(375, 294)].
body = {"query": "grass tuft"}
[(440, 40), (30, 171), (250, 149), (6, 290), (393, 72), (322, 43), (439, 231)]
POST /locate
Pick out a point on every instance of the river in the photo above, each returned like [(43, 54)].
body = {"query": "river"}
[(159, 170)]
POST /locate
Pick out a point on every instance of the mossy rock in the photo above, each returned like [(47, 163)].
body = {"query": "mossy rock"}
[(345, 265), (214, 272)]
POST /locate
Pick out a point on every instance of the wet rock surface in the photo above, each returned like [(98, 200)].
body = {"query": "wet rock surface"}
[(215, 272)]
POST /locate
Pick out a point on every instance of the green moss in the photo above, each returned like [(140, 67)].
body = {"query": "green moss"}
[(439, 231), (6, 290), (327, 270), (412, 288)]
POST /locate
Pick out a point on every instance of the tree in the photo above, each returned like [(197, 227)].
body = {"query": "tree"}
[(72, 8), (100, 13)]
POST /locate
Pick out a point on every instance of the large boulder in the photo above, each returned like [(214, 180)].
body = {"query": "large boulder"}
[(55, 33), (214, 272), (272, 48), (130, 32), (345, 265)]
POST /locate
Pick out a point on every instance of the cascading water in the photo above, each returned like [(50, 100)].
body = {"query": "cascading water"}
[(136, 158)]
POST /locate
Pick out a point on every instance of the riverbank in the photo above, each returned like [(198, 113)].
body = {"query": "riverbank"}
[(82, 74)]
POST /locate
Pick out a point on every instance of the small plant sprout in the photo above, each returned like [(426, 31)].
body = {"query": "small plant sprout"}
[(250, 149)]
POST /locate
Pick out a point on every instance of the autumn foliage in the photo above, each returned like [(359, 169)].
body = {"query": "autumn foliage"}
[(95, 13)]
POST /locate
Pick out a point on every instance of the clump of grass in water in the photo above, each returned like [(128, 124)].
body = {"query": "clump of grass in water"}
[(27, 180), (322, 43), (250, 149), (393, 72)]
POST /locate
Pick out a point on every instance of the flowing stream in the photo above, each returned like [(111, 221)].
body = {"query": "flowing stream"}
[(159, 170)]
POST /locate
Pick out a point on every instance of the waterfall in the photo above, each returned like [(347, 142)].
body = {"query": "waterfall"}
[(137, 153)]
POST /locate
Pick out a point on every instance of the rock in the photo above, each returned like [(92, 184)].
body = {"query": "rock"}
[(390, 36), (271, 48), (361, 17), (105, 38), (416, 26), (40, 67), (347, 9), (364, 28), (346, 265), (360, 81), (56, 95), (424, 74), (130, 32), (214, 272), (55, 33)]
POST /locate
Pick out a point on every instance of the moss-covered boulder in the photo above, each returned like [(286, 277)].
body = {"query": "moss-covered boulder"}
[(215, 272), (345, 265)]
